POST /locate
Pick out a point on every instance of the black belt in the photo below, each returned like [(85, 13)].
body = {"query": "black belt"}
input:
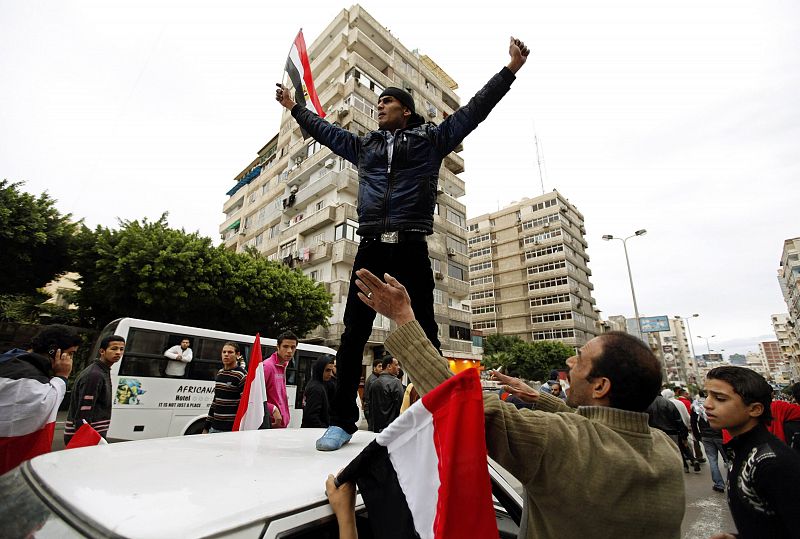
[(397, 237)]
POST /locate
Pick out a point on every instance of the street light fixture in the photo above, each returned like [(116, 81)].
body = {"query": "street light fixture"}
[(609, 237), (691, 343)]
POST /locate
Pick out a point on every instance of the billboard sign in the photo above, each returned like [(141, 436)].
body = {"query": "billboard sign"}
[(652, 324)]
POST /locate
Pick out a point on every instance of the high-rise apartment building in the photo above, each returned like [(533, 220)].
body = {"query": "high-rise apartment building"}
[(789, 281), (296, 202), (529, 272), (787, 341), (771, 350)]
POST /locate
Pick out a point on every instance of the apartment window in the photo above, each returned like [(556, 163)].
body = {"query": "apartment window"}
[(481, 280), (358, 103), (288, 249), (550, 300), (457, 245), (484, 324), (541, 221), (459, 332), (314, 275), (485, 251), (547, 283), (482, 295), (258, 240), (438, 297), (479, 239), (274, 230), (313, 148), (457, 218), (319, 205), (553, 334), (457, 271), (483, 309), (473, 227), (544, 204), (536, 238), (533, 270), (551, 317), (480, 266), (346, 230)]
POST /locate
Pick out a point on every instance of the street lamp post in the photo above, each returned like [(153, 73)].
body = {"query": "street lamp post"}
[(708, 347), (691, 344), (609, 237)]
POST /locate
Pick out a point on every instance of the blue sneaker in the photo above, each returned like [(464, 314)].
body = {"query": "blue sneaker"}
[(333, 439)]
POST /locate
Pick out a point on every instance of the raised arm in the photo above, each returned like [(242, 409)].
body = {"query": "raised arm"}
[(342, 142), (462, 122)]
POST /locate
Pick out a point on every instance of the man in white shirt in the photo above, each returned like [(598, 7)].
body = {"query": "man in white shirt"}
[(179, 355)]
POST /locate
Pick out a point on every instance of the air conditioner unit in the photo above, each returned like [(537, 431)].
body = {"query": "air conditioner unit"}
[(439, 275), (242, 232), (431, 112), (298, 160), (494, 242), (451, 251), (330, 163)]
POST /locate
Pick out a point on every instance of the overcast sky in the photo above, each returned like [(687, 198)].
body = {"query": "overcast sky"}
[(680, 117)]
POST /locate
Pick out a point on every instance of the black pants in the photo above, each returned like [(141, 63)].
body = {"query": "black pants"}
[(407, 262)]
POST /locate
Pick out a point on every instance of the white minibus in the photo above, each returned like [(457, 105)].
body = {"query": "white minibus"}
[(149, 404)]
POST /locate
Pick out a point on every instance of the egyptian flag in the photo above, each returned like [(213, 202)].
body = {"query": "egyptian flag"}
[(28, 408), (253, 405), (426, 474), (85, 436), (299, 70)]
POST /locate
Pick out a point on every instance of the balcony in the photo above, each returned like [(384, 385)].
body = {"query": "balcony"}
[(359, 43), (320, 186), (457, 288), (454, 163), (317, 254), (450, 183), (458, 315), (317, 221), (347, 182), (456, 345), (344, 252), (307, 166)]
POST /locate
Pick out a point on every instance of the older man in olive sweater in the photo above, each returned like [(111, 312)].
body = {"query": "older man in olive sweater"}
[(598, 471)]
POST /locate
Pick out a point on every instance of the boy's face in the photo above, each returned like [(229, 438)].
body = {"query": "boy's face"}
[(726, 409)]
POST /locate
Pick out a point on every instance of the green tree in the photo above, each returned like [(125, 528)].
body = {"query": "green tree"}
[(528, 360), (148, 270), (35, 240)]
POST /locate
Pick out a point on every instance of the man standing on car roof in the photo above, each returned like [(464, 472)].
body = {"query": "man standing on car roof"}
[(398, 173)]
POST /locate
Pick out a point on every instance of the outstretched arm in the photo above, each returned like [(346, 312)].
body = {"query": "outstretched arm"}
[(343, 503), (343, 143), (462, 122)]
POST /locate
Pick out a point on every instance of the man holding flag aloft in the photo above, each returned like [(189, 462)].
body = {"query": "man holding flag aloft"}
[(398, 168)]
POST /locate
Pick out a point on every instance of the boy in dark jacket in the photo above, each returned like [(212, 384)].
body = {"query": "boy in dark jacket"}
[(764, 472)]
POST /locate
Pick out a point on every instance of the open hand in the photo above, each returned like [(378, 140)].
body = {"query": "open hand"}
[(389, 299), (516, 387)]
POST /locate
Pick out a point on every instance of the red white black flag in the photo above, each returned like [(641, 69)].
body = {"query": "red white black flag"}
[(427, 472), (253, 405), (298, 68)]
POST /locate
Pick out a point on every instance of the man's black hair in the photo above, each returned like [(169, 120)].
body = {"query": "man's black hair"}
[(633, 369), (386, 361), (748, 384), (111, 338), (55, 337), (287, 336), (233, 345)]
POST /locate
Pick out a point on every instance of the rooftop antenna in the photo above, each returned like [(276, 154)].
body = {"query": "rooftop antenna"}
[(538, 156)]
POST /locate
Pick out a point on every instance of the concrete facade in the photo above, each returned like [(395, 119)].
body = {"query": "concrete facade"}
[(529, 272), (789, 281), (296, 201)]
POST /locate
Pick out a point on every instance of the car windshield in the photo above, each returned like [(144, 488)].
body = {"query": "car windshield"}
[(24, 514)]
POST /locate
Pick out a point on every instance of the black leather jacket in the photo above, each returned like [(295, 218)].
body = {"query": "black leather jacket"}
[(402, 197)]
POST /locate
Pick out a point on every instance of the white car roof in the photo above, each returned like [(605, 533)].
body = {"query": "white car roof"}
[(194, 486)]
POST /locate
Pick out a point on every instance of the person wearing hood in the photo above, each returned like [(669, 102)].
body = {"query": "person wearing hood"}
[(315, 397), (398, 174)]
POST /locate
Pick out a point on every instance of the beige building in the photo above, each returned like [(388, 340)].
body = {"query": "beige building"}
[(296, 201), (529, 273), (789, 281), (787, 341)]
